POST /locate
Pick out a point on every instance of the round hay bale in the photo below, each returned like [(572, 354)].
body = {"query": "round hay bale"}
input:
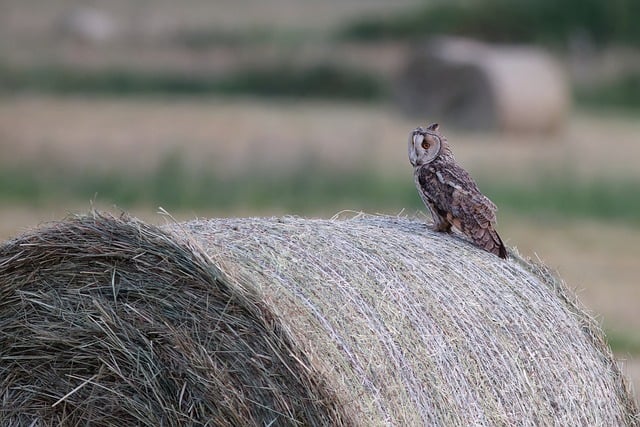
[(364, 321), (89, 25), (477, 86)]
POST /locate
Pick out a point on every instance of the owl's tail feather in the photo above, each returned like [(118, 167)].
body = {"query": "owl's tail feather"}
[(499, 248), (489, 240), (502, 250)]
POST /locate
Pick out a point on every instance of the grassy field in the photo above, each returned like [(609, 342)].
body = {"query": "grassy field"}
[(303, 157), (558, 199), (68, 140)]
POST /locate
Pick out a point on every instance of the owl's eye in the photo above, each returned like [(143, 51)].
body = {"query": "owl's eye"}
[(425, 145)]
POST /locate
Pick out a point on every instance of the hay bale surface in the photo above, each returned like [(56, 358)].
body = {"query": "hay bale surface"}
[(365, 321), (477, 86)]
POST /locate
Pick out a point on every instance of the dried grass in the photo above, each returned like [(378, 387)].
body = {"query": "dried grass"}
[(363, 321), (479, 86)]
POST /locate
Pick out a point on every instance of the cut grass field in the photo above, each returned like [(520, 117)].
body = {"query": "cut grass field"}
[(570, 199), (297, 157), (573, 198)]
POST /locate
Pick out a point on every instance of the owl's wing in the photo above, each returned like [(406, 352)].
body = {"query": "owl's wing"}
[(453, 191)]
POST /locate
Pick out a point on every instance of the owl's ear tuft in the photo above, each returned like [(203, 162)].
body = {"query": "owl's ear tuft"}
[(433, 126)]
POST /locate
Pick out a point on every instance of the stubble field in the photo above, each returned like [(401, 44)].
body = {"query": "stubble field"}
[(244, 140)]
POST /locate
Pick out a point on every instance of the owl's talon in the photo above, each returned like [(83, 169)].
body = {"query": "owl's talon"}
[(443, 227)]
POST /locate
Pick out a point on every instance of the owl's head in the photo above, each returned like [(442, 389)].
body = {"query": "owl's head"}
[(425, 145)]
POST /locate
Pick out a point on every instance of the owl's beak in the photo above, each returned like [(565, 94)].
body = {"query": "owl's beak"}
[(418, 138)]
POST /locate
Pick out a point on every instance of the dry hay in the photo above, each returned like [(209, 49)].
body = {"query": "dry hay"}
[(362, 321), (478, 86)]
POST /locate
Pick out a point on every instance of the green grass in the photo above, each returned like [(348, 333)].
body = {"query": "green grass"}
[(568, 196), (175, 185), (206, 38), (623, 343), (547, 21), (321, 81), (309, 190), (623, 92)]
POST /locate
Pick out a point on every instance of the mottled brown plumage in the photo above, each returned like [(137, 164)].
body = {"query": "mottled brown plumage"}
[(450, 194)]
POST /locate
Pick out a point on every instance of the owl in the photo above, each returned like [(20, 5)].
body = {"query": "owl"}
[(450, 194)]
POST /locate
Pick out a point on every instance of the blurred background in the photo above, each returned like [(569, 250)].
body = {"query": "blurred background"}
[(252, 107)]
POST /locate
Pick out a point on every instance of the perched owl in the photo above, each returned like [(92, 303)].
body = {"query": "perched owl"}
[(450, 193)]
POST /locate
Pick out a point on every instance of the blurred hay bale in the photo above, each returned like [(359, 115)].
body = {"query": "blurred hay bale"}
[(364, 321), (479, 86), (89, 25)]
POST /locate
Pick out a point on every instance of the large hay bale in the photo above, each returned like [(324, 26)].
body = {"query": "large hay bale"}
[(474, 85), (364, 321)]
